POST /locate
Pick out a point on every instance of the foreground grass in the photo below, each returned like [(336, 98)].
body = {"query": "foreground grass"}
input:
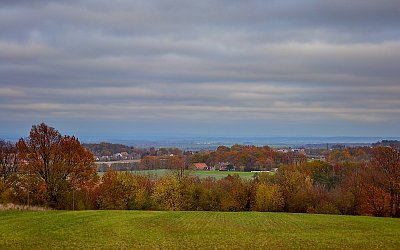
[(193, 230)]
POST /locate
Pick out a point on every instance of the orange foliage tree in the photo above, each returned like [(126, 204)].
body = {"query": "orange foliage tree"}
[(386, 165), (60, 162)]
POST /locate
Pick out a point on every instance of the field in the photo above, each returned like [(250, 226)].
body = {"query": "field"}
[(220, 174), (199, 173), (193, 230)]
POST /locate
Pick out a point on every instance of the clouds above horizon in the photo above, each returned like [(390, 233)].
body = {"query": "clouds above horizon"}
[(203, 64)]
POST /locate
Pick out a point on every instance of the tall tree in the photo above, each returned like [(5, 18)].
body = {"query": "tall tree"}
[(297, 188), (59, 161), (386, 161)]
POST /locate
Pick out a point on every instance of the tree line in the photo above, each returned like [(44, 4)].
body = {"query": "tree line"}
[(52, 170), (244, 157), (352, 188), (106, 151)]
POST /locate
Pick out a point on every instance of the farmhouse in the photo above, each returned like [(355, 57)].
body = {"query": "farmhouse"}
[(201, 166)]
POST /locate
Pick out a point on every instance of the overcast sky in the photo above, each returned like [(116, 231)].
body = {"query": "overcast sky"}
[(270, 68)]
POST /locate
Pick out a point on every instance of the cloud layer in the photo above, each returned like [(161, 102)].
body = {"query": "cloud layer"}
[(218, 67)]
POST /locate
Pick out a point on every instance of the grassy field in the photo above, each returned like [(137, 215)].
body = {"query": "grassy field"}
[(193, 230), (220, 174), (199, 173)]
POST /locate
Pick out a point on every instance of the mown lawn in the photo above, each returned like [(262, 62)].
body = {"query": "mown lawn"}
[(193, 230)]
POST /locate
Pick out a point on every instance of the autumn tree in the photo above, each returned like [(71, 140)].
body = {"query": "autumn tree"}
[(8, 160), (150, 163), (386, 162), (238, 193), (15, 186), (323, 174), (297, 188), (60, 162), (175, 192), (111, 192), (178, 165), (199, 157), (374, 196), (269, 198), (124, 190), (8, 171), (350, 188), (210, 194)]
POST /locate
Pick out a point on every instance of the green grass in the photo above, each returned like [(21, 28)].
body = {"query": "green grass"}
[(200, 173), (193, 230), (220, 174)]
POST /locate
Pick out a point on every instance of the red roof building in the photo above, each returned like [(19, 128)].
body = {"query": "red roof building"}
[(200, 166)]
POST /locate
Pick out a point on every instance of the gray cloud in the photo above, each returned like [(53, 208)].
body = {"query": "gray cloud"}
[(218, 62)]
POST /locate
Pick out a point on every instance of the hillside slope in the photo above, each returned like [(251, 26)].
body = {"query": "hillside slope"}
[(193, 230)]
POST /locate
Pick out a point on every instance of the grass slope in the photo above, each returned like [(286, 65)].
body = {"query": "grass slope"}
[(193, 230)]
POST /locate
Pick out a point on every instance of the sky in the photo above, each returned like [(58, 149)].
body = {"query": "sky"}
[(224, 68)]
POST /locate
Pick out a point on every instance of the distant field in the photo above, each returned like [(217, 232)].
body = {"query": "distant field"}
[(116, 162), (220, 174), (193, 230), (199, 173)]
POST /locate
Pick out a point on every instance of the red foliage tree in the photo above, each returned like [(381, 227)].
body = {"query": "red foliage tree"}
[(60, 162)]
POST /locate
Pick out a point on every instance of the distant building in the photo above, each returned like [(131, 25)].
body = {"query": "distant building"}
[(201, 166), (225, 166), (298, 150), (283, 150), (294, 150)]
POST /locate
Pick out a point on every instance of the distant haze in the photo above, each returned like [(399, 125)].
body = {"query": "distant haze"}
[(115, 69)]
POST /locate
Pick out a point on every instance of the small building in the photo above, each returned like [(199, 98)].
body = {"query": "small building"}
[(118, 155), (225, 166), (200, 166), (124, 154), (298, 150), (283, 150)]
